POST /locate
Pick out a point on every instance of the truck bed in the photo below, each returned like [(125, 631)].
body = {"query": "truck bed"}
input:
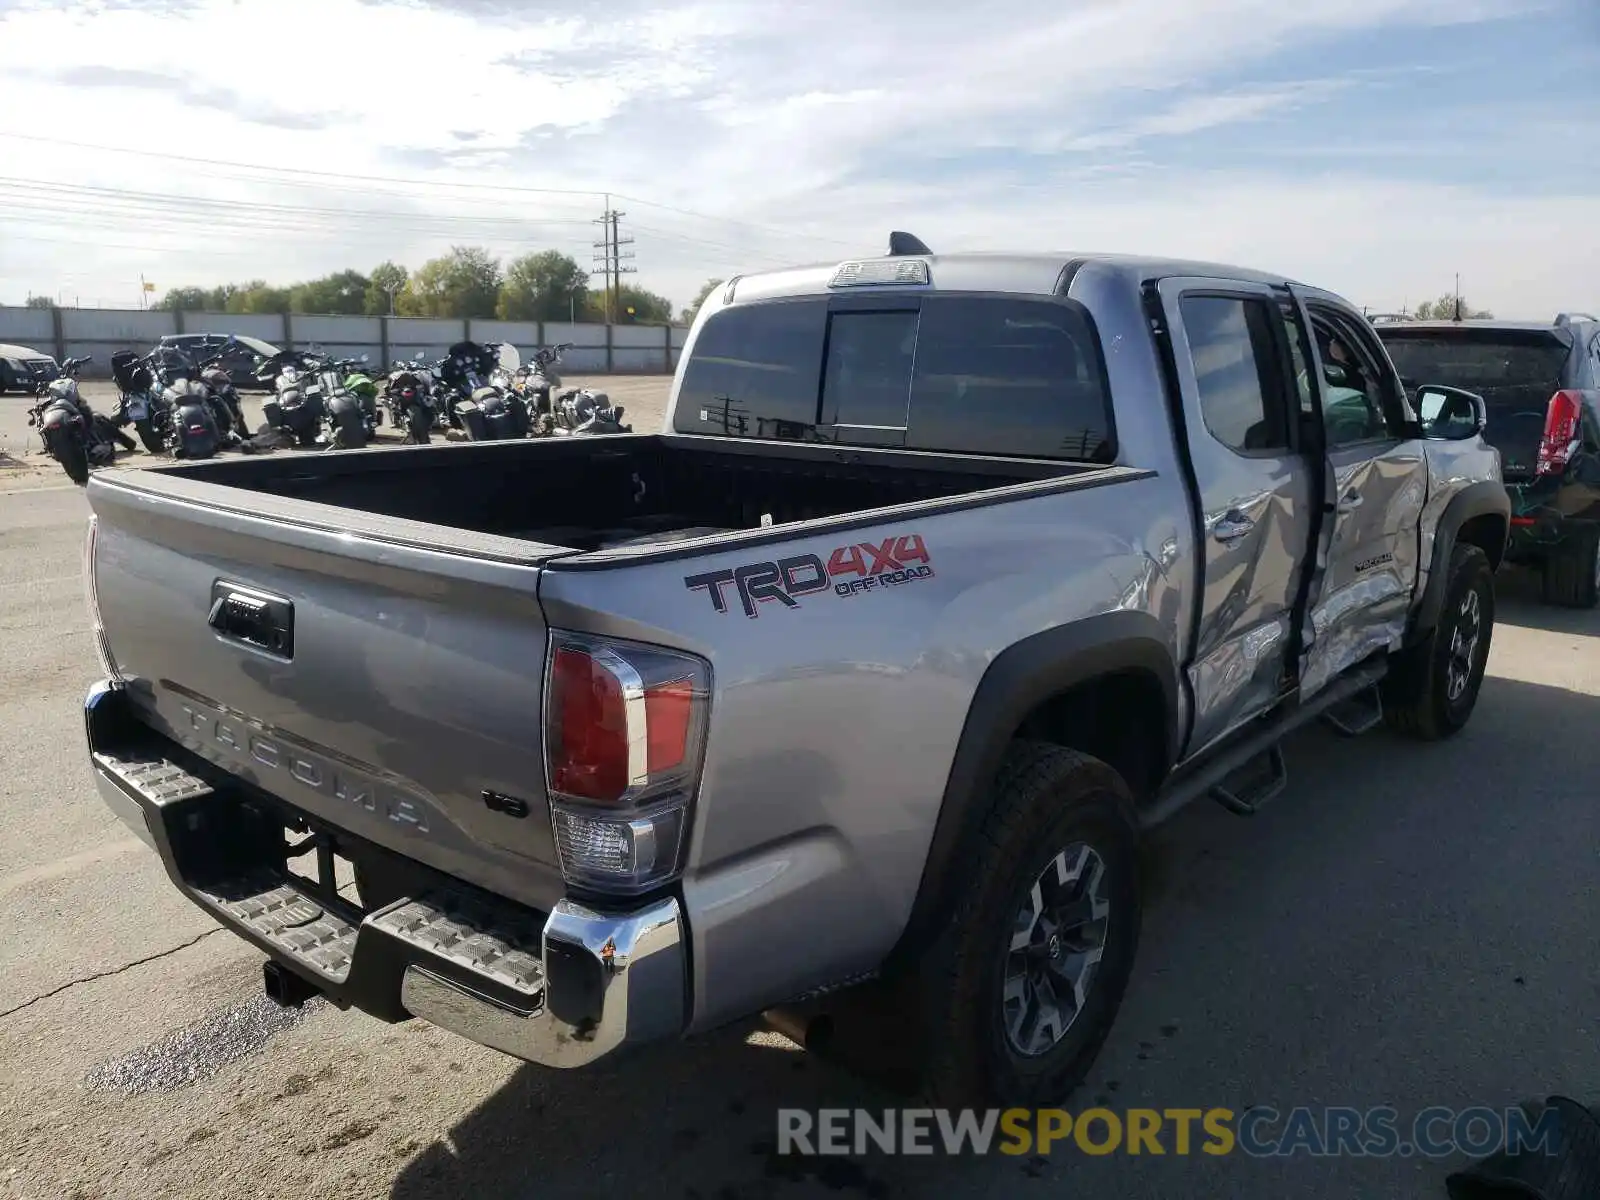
[(587, 494)]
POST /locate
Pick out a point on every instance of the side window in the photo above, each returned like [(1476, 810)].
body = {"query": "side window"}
[(1238, 371), (753, 370), (1009, 376), (1353, 398)]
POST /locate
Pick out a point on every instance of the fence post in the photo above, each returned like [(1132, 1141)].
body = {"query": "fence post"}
[(466, 329), (58, 333), (383, 341), (288, 333), (666, 347), (538, 331), (610, 357), (177, 321)]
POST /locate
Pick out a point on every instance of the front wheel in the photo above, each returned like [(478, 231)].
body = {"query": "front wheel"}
[(1023, 984), (1432, 687), (149, 437)]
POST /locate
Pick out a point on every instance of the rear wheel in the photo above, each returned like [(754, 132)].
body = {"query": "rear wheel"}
[(149, 438), (349, 430), (74, 459), (1432, 687), (1024, 983), (1572, 574)]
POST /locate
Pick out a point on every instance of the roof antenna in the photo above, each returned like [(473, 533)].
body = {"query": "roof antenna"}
[(904, 243)]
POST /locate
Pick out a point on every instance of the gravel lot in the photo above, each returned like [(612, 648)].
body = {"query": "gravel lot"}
[(1406, 925)]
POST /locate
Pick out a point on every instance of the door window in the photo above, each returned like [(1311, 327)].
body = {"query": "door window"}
[(1353, 391), (1237, 370)]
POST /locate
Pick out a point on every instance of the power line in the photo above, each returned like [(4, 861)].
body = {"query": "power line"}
[(520, 189)]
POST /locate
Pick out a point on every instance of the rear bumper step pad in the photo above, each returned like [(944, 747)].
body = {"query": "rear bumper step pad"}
[(562, 990)]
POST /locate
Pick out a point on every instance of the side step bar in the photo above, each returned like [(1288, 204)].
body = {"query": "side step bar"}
[(1206, 779)]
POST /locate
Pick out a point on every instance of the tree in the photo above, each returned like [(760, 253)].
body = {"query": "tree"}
[(462, 283), (1444, 309), (34, 301), (687, 316), (635, 306), (183, 299), (344, 292), (383, 285), (547, 286)]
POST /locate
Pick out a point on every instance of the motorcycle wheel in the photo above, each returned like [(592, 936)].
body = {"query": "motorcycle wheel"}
[(149, 437), (350, 431), (74, 459), (305, 437), (418, 424)]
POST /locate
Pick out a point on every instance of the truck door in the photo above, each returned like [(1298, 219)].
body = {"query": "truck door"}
[(1253, 489), (1380, 477)]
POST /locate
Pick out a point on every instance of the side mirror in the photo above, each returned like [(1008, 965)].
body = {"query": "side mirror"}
[(363, 358), (1450, 414)]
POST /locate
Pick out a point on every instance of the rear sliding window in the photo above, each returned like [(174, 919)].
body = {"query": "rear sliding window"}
[(1477, 360), (974, 375)]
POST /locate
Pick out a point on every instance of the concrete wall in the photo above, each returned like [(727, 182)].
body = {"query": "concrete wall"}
[(595, 349)]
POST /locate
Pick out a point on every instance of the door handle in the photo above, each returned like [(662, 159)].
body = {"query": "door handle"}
[(1231, 527), (1351, 500)]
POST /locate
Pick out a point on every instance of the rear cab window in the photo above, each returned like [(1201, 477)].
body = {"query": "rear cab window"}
[(1003, 375)]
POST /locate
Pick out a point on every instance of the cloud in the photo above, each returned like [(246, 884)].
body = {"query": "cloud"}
[(1247, 129)]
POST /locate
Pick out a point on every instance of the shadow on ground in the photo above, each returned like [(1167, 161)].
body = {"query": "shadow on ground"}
[(1408, 924)]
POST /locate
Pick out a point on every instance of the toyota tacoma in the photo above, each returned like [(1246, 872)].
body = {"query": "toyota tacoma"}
[(945, 578)]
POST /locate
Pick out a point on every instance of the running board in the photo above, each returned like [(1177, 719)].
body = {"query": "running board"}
[(1205, 779), (1248, 789), (1359, 714)]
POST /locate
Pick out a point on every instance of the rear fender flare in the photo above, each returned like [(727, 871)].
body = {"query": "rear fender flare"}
[(1016, 682), (1484, 498)]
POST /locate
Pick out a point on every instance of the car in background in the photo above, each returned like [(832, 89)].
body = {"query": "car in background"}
[(23, 369), (240, 354), (1541, 386)]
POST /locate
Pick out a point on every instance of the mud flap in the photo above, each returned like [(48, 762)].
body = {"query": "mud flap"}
[(1566, 1166)]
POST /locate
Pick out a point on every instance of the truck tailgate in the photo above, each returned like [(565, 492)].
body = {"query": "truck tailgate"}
[(341, 663)]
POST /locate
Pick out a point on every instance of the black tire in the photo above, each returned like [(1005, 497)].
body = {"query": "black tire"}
[(1046, 801), (1417, 700), (150, 439), (349, 430), (75, 461), (1571, 576)]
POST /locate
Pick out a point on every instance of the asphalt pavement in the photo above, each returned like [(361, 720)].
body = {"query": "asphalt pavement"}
[(1406, 925)]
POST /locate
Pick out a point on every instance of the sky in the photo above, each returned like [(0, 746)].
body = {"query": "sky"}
[(1373, 147)]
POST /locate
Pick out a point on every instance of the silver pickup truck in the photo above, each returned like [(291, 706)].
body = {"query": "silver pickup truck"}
[(946, 576)]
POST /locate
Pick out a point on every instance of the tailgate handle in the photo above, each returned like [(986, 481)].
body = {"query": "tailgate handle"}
[(243, 614)]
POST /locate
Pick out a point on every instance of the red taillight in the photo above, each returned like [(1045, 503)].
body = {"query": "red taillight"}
[(588, 728), (1561, 432), (624, 729)]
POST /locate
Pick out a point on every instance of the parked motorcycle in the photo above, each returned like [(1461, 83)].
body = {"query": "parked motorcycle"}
[(538, 381), (582, 412), (74, 434), (296, 407), (479, 376), (408, 396), (139, 400)]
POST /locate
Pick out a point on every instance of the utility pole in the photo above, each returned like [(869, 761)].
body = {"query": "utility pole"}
[(1458, 296), (611, 259)]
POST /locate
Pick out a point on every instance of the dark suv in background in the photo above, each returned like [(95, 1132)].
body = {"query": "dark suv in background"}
[(1541, 386), (240, 354)]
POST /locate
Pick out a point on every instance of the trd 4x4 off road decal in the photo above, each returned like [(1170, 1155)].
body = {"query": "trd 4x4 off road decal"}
[(849, 571)]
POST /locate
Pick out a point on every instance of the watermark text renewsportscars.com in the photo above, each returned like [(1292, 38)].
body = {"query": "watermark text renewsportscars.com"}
[(1259, 1132)]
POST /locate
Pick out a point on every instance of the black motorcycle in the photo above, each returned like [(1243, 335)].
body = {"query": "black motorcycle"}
[(477, 380), (74, 434), (582, 412), (539, 381), (408, 395), (296, 408), (139, 400)]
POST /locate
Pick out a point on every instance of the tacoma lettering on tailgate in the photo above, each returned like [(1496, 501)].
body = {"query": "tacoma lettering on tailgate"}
[(849, 571)]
